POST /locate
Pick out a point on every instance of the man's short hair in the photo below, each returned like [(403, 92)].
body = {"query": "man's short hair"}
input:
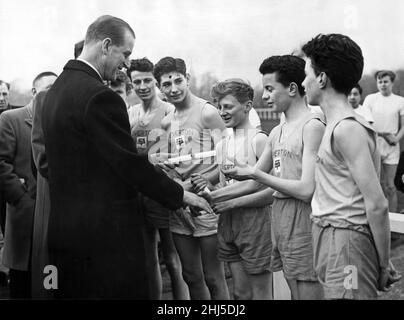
[(108, 27), (357, 86), (6, 83), (78, 48), (385, 73), (42, 75), (339, 57), (142, 65), (121, 78), (288, 69), (167, 65), (238, 88)]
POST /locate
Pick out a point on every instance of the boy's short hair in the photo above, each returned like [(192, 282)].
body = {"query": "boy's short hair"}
[(339, 57), (357, 86), (385, 73), (42, 75), (238, 88), (121, 78), (288, 69), (141, 65), (167, 65)]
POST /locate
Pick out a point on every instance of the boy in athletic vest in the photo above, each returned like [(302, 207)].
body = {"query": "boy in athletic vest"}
[(287, 166), (145, 121), (351, 229), (244, 232), (194, 127)]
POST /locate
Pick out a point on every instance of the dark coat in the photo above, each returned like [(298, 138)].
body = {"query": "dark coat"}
[(18, 186), (95, 174), (42, 204)]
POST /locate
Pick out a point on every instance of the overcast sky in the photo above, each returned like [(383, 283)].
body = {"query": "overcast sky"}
[(230, 38)]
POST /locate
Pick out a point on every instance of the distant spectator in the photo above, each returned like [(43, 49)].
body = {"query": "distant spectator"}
[(19, 189), (354, 99), (4, 96), (20, 93), (122, 86), (388, 113)]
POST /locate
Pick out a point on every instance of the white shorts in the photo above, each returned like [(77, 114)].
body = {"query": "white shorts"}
[(389, 154)]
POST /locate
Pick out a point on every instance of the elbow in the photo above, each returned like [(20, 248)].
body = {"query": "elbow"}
[(306, 197), (306, 193), (378, 208)]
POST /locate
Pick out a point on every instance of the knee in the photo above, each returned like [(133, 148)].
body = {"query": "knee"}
[(390, 187), (241, 293), (173, 264), (192, 278), (214, 281)]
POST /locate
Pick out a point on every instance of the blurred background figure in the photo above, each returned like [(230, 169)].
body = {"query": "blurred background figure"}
[(387, 110), (122, 86), (20, 93), (19, 188), (354, 99)]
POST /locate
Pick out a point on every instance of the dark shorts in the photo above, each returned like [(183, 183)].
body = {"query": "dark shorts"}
[(346, 262), (292, 239), (156, 215), (245, 235)]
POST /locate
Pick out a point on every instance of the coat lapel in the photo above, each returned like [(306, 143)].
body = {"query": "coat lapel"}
[(28, 119)]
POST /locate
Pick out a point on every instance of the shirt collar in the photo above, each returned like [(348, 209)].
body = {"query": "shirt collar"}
[(89, 64)]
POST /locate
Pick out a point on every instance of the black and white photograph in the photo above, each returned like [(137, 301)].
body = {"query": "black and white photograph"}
[(216, 151)]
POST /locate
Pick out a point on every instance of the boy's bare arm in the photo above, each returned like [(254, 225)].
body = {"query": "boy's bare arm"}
[(302, 189), (357, 154)]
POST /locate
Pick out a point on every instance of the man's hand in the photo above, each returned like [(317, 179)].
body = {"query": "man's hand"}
[(199, 183), (193, 200)]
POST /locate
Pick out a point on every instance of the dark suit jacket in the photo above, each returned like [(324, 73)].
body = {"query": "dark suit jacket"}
[(95, 174), (19, 185)]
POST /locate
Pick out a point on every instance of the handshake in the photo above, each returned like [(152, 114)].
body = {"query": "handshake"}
[(196, 196)]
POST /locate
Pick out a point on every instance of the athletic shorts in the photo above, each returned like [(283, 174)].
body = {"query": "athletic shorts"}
[(155, 214), (292, 239), (346, 262), (245, 235), (183, 221), (389, 154)]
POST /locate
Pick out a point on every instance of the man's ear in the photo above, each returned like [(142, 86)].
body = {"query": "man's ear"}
[(106, 45), (322, 80), (188, 77), (248, 106), (33, 91), (293, 89)]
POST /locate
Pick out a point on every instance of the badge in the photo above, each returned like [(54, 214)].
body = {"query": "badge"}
[(277, 165), (179, 142), (141, 142)]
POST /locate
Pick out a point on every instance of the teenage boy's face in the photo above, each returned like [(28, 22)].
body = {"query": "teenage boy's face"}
[(385, 85), (275, 94), (232, 111), (175, 86), (354, 98), (144, 84), (310, 84)]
